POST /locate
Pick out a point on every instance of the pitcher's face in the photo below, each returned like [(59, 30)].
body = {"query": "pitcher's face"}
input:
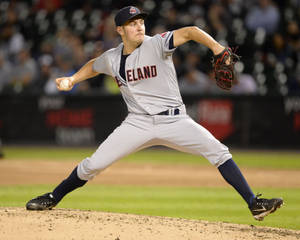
[(133, 31)]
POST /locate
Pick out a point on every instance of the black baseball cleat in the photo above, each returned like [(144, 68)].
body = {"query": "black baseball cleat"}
[(44, 202), (262, 207)]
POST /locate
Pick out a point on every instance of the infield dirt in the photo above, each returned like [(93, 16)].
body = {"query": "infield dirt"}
[(17, 223)]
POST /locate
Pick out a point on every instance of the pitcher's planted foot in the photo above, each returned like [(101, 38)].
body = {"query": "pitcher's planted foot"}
[(43, 202)]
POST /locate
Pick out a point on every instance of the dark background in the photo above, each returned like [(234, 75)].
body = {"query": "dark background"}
[(41, 40)]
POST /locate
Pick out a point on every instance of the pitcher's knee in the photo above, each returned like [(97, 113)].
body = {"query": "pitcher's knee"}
[(89, 168), (218, 158), (219, 155)]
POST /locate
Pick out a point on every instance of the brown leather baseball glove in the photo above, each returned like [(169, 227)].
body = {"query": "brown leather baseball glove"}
[(223, 65)]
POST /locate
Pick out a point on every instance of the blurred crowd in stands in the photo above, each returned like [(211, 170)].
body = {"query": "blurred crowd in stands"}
[(41, 40)]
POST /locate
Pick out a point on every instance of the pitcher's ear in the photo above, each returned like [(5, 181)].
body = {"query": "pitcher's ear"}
[(120, 30)]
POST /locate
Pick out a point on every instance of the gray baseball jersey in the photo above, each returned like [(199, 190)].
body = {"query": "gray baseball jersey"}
[(150, 85)]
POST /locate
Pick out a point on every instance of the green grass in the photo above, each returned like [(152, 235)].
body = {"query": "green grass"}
[(261, 159), (212, 204)]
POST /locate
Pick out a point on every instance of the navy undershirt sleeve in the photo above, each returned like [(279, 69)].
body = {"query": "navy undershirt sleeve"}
[(171, 43)]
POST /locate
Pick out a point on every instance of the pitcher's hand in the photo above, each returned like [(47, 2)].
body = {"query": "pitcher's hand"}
[(64, 83)]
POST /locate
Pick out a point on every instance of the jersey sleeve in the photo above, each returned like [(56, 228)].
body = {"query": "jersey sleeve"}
[(101, 64), (165, 42)]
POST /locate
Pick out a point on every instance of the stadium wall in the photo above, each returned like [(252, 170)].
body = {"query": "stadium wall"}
[(241, 121)]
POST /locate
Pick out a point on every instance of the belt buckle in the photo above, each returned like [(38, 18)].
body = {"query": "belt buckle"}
[(173, 111)]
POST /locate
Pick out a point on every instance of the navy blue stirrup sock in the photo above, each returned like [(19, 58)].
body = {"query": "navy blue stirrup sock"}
[(68, 185), (232, 174)]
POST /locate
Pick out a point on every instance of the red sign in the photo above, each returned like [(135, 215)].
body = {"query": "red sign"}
[(297, 121), (216, 117), (70, 118)]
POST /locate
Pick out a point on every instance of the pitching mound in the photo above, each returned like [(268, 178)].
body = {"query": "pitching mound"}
[(17, 223)]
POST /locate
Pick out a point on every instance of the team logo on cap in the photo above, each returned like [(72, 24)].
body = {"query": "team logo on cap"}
[(132, 10)]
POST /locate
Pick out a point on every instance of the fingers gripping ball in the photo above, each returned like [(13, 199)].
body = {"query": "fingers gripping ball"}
[(223, 65), (64, 84)]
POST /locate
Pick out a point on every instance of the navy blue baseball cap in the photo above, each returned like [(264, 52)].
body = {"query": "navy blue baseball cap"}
[(128, 13)]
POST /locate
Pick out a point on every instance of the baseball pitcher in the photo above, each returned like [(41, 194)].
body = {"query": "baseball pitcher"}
[(143, 69)]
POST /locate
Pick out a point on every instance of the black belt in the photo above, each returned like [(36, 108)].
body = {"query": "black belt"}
[(170, 112)]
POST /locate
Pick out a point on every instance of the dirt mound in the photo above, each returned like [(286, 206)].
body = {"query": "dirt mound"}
[(17, 223)]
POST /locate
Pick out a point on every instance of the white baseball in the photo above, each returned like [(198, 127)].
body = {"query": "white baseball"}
[(64, 84)]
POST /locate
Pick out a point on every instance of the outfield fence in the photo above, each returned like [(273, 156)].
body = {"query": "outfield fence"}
[(241, 121)]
